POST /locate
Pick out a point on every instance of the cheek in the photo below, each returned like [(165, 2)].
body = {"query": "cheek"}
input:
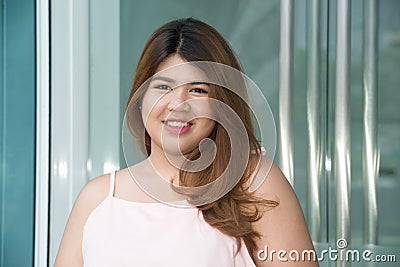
[(202, 108), (206, 126), (152, 105)]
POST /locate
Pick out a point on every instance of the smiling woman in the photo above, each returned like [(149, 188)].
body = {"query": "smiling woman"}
[(181, 111)]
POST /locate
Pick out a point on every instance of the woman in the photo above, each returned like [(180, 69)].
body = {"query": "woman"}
[(115, 223)]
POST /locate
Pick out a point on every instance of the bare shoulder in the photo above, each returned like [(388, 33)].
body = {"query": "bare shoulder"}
[(273, 185), (94, 192), (269, 182), (282, 227), (91, 195), (276, 187)]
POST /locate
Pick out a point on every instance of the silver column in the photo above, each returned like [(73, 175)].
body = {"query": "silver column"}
[(42, 132), (370, 116), (285, 89), (342, 122), (314, 117)]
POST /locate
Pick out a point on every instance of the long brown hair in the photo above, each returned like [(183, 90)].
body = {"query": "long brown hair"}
[(194, 40)]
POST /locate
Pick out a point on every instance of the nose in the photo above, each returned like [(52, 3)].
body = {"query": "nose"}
[(178, 100)]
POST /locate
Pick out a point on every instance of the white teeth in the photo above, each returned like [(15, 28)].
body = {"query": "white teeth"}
[(176, 123)]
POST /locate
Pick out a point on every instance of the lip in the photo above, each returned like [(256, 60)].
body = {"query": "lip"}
[(177, 130)]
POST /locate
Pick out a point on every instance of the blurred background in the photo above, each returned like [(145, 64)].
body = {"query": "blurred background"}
[(66, 72)]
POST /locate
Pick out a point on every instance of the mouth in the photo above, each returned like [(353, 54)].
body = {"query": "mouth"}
[(177, 127)]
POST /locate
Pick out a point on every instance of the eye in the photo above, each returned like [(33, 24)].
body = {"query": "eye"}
[(198, 91), (164, 87)]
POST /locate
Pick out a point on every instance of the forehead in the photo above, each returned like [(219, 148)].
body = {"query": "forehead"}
[(176, 70)]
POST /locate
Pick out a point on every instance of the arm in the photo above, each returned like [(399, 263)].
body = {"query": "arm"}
[(282, 227), (70, 250)]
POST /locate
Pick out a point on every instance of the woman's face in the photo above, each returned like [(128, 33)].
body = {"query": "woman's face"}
[(175, 108)]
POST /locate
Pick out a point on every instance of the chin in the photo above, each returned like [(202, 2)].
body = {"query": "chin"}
[(175, 151)]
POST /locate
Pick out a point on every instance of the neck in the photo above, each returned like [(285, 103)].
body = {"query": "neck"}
[(165, 165)]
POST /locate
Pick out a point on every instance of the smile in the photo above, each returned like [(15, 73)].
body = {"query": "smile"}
[(177, 127)]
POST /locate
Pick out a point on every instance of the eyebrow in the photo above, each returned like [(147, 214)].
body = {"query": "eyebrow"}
[(162, 78), (197, 83), (170, 80)]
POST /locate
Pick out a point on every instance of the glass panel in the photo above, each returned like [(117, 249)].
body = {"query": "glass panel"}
[(388, 129), (17, 132), (104, 103), (389, 123), (388, 126)]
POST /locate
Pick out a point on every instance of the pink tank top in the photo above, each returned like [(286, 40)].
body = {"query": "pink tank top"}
[(125, 233)]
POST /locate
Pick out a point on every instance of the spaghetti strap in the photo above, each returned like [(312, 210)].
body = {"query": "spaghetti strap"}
[(112, 183)]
